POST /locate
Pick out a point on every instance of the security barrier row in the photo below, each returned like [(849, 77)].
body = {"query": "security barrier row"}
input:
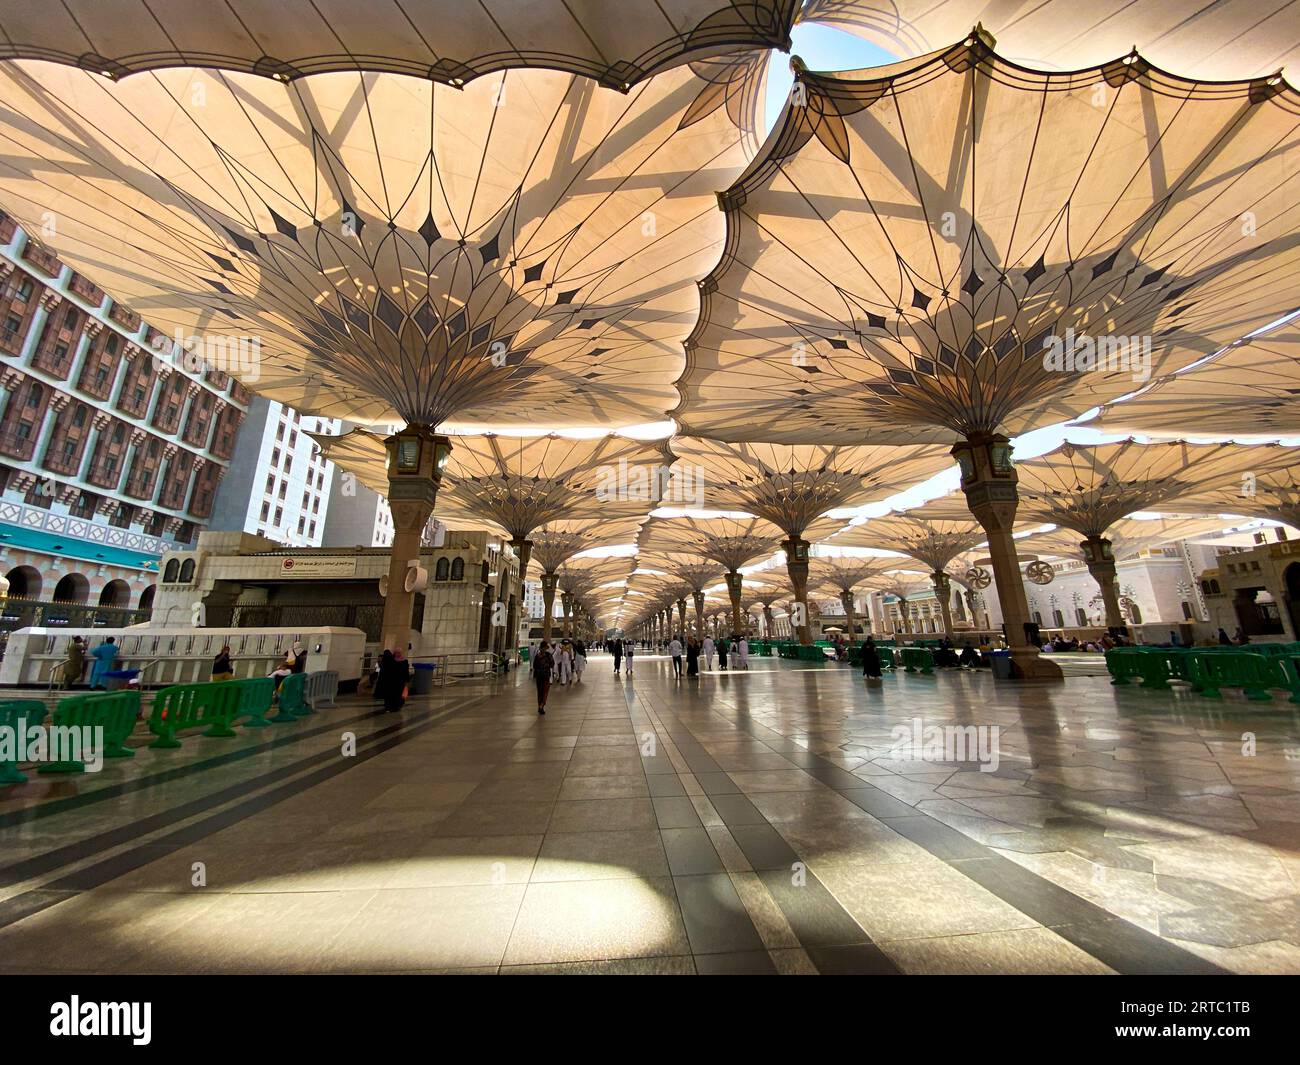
[(1208, 670), (216, 707)]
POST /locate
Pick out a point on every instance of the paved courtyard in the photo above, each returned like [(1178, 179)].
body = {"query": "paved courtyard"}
[(735, 822)]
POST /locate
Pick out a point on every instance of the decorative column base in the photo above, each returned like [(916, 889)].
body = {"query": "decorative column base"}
[(989, 481), (796, 564)]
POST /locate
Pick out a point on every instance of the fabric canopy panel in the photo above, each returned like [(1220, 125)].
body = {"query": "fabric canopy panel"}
[(793, 485), (696, 571), (956, 245), (843, 573), (1252, 388), (1087, 489), (447, 40), (935, 540), (731, 542), (516, 483), (1128, 536), (1223, 40), (558, 541), (1256, 493), (522, 252)]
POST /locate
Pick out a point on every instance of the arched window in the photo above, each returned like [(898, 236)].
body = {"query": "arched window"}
[(1058, 619), (441, 570), (1136, 613), (187, 571), (1038, 618), (1187, 610), (458, 569), (1080, 616), (170, 571), (1214, 588)]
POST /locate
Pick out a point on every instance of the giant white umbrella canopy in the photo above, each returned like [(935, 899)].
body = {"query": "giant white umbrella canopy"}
[(1129, 536), (516, 484), (698, 572), (1222, 40), (444, 40), (913, 237), (840, 575), (1088, 488), (1258, 493), (791, 486), (392, 249), (1249, 389), (927, 537), (956, 247), (732, 542), (523, 251)]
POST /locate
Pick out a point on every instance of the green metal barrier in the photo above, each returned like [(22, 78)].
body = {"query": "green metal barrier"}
[(1123, 664), (917, 660), (114, 712), (888, 656), (184, 706), (292, 699), (18, 715), (1253, 674), (255, 697)]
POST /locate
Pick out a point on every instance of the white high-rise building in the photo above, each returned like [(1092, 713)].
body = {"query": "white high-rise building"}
[(278, 485)]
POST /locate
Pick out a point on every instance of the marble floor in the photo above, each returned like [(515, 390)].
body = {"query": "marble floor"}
[(788, 819)]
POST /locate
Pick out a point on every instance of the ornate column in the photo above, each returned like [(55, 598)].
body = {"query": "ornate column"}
[(681, 610), (846, 601), (699, 613), (943, 592), (416, 457), (524, 552), (566, 604), (769, 622), (550, 581), (989, 480), (796, 564), (735, 583), (1100, 557)]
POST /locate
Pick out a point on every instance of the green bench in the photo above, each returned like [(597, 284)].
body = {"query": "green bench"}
[(17, 716), (114, 712), (214, 706)]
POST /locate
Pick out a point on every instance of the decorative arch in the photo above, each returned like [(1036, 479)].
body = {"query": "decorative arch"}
[(24, 582), (115, 593), (171, 571), (441, 570), (72, 588), (187, 571)]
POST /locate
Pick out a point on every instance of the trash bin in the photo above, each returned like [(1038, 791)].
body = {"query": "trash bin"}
[(422, 678), (117, 679), (1000, 661), (524, 654)]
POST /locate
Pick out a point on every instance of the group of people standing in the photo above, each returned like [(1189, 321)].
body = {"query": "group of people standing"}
[(103, 658), (737, 652), (561, 663)]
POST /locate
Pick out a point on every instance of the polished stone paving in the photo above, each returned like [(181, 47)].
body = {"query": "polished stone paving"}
[(743, 822)]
